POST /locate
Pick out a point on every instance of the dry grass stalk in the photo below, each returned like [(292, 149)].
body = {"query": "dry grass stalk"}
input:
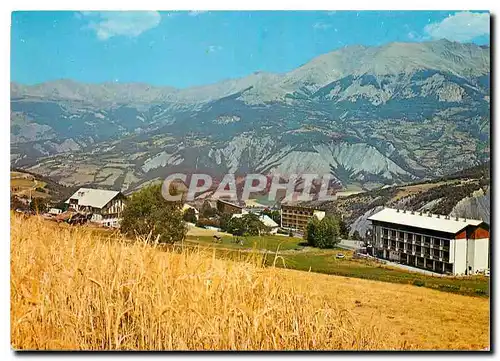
[(72, 289)]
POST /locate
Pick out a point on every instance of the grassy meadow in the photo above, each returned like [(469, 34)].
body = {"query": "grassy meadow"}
[(293, 255), (73, 288)]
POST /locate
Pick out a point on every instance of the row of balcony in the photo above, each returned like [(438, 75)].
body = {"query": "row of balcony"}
[(418, 243), (410, 245), (444, 257)]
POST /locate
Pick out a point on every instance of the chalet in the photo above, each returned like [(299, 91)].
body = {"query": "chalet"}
[(105, 206)]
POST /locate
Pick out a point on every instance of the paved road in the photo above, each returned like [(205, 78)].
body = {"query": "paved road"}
[(350, 244)]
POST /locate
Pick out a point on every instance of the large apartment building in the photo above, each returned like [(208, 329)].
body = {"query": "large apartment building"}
[(295, 217), (432, 242)]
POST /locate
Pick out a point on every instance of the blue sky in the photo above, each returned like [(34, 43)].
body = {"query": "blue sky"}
[(184, 49)]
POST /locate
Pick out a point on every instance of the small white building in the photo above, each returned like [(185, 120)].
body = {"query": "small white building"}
[(55, 211), (106, 206)]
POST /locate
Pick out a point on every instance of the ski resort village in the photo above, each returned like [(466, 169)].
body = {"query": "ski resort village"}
[(418, 240), (251, 180)]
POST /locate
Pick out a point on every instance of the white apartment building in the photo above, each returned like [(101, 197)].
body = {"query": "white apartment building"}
[(432, 242)]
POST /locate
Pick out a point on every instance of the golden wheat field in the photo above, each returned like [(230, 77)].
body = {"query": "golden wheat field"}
[(73, 290)]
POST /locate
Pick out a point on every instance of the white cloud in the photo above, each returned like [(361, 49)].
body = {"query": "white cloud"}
[(321, 26), (197, 12), (107, 24), (413, 35), (462, 26), (213, 48)]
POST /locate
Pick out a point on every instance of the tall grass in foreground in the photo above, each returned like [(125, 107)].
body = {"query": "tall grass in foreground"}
[(73, 290)]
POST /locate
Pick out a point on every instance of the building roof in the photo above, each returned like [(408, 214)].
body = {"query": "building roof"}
[(268, 221), (229, 203), (301, 204), (96, 198), (424, 221)]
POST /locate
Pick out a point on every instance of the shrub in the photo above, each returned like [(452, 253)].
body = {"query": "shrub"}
[(418, 283), (324, 233), (207, 211), (38, 205), (190, 215), (205, 222), (275, 215), (310, 231), (148, 213), (246, 225), (224, 221)]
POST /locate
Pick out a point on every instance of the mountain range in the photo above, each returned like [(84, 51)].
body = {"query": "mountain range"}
[(370, 116)]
